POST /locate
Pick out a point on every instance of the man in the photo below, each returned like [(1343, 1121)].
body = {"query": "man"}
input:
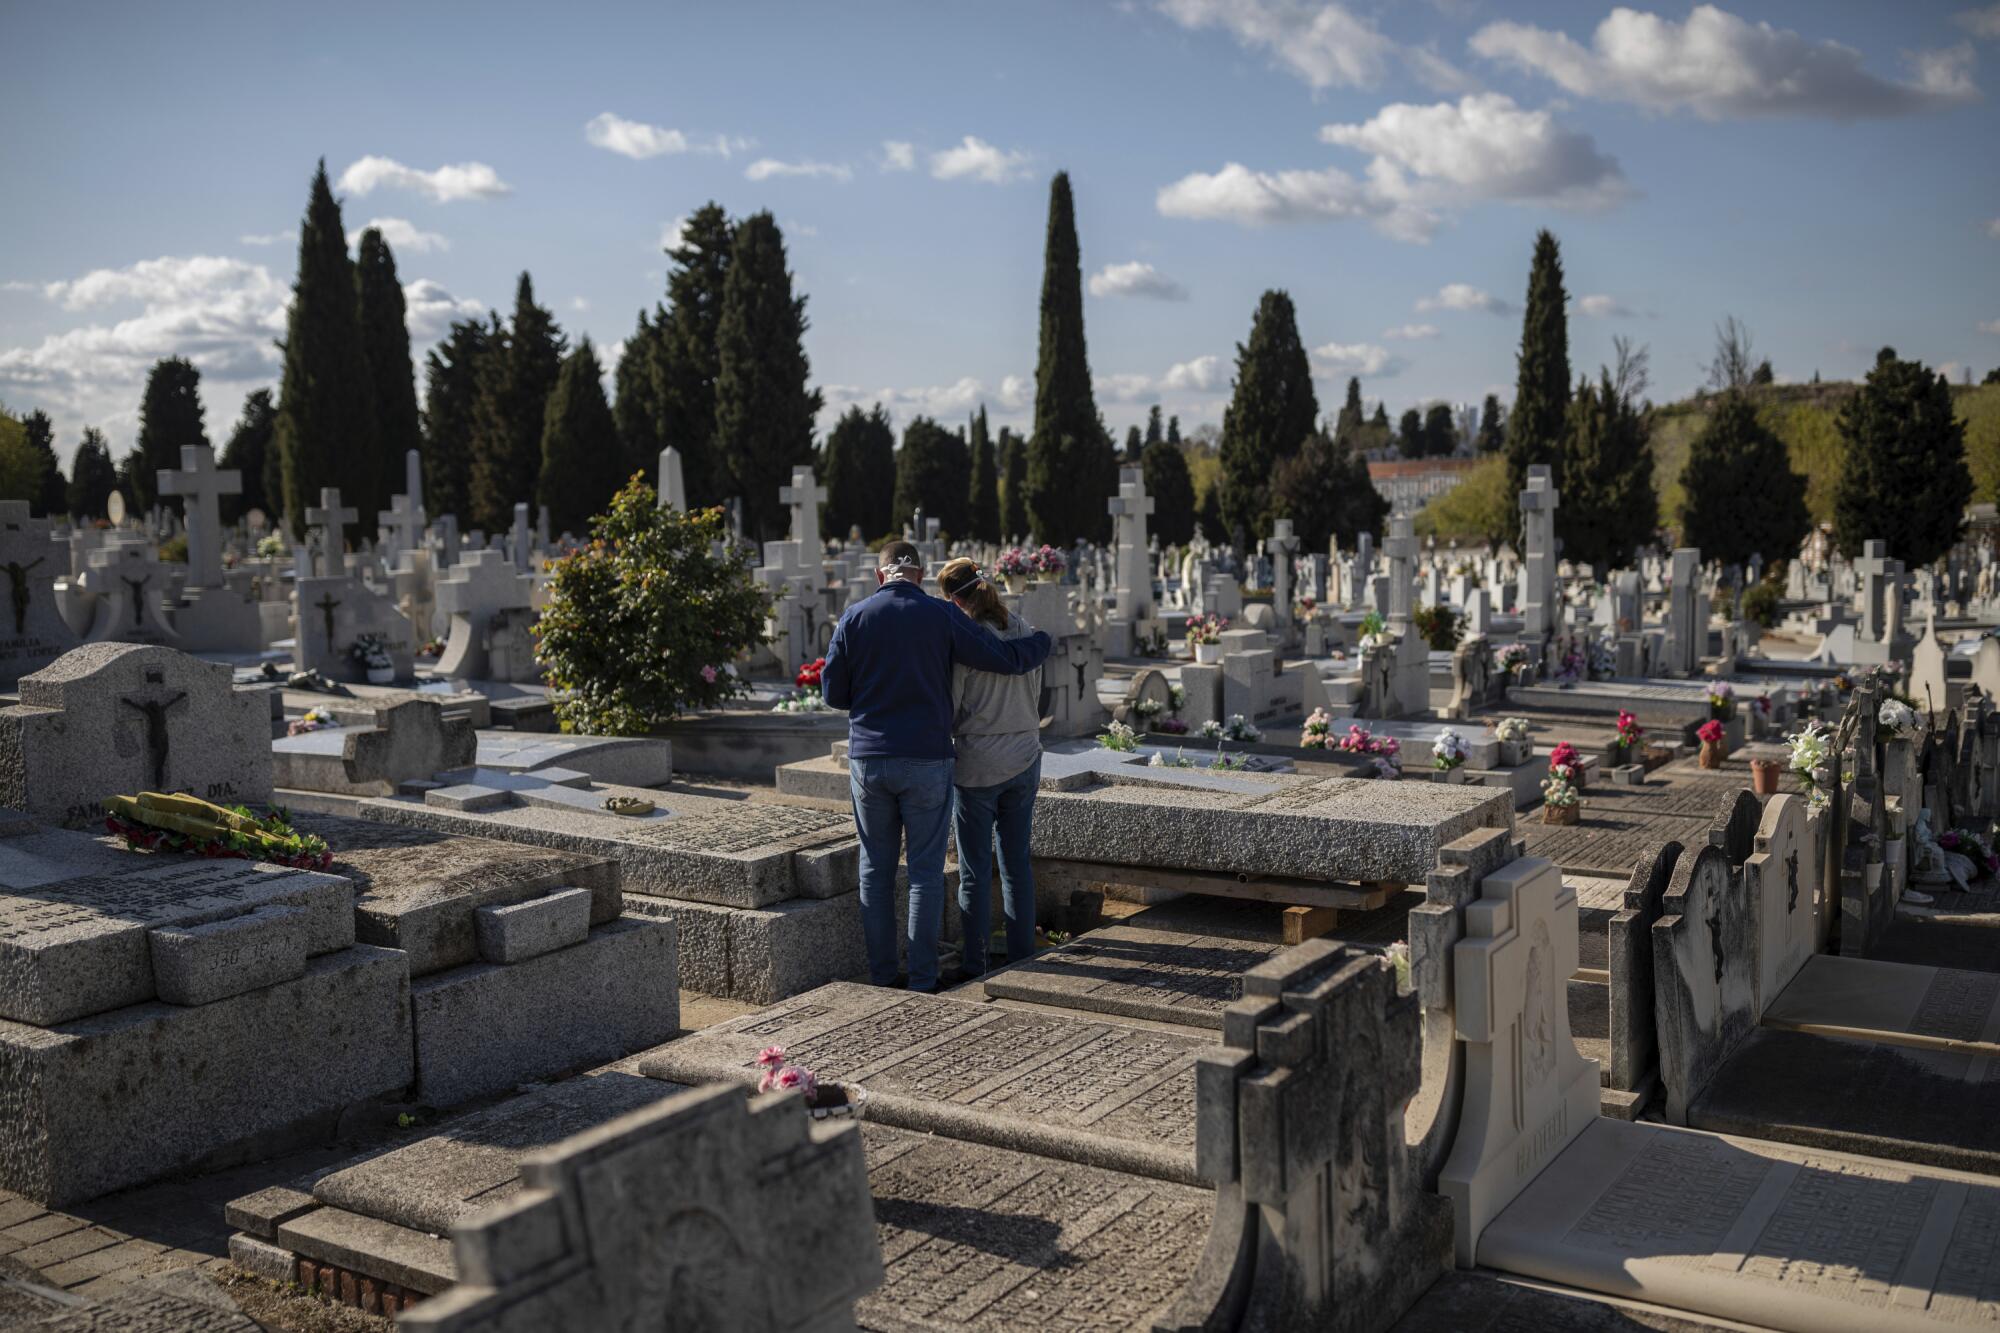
[(889, 666)]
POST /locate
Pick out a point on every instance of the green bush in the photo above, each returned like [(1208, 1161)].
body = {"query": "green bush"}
[(1761, 604), (1441, 627), (174, 550), (642, 622)]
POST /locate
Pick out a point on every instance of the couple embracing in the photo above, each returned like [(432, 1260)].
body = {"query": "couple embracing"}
[(943, 725)]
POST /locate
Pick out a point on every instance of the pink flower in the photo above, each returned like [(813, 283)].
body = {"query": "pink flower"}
[(771, 1057), (708, 674)]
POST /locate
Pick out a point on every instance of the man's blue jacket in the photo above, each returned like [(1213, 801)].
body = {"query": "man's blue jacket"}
[(890, 666)]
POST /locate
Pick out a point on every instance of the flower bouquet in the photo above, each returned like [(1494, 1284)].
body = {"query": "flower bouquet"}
[(370, 652), (1374, 630), (1119, 737), (1448, 755), (1318, 731), (1809, 761), (1015, 565), (1900, 720), (1562, 799), (157, 822), (808, 698), (1710, 734), (1385, 751), (1512, 733), (1977, 849), (1204, 637), (1238, 728), (823, 1100), (1049, 562), (1626, 747), (315, 719), (1511, 660), (1721, 700), (433, 647)]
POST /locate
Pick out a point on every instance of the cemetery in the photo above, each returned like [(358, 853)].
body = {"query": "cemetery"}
[(545, 844)]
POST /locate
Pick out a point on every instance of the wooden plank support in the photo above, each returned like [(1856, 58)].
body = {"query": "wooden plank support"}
[(1308, 923), (1290, 892)]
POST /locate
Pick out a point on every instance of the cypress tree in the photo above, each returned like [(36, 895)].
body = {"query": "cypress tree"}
[(129, 468), (983, 501), (1154, 434), (1350, 419), (1536, 423), (385, 335), (51, 496), (1325, 491), (684, 355), (637, 409), (1071, 466), (1172, 489), (1208, 516), (170, 416), (453, 372), (763, 410), (1492, 433), (1381, 418), (1440, 431), (1174, 431), (92, 477), (249, 452), (1410, 435), (1608, 504), (1013, 485), (1135, 444), (1903, 477), (1272, 409), (326, 407), (860, 473), (582, 465), (513, 400), (931, 470), (1743, 498)]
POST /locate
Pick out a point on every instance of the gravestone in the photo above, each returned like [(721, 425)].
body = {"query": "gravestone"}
[(1782, 878), (331, 614), (1631, 1034), (804, 497), (488, 601), (674, 1215), (128, 583), (1321, 1217), (1927, 672), (201, 487), (1539, 599), (1704, 974), (1281, 546), (117, 719), (404, 742), (1409, 692), (1132, 584), (36, 634), (329, 522), (672, 489)]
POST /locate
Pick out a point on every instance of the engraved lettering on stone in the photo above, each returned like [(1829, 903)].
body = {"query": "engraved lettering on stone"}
[(1538, 1048)]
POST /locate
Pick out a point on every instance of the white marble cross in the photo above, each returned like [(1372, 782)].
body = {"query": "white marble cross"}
[(403, 523), (201, 485), (1128, 509), (1280, 546), (805, 498), (332, 521)]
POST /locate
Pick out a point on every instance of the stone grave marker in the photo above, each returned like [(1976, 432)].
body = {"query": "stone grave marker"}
[(1927, 671), (403, 742), (36, 634), (672, 489), (332, 613), (128, 583), (1540, 598), (1782, 877), (117, 719), (1704, 974), (329, 521), (201, 486), (1632, 1035), (488, 602)]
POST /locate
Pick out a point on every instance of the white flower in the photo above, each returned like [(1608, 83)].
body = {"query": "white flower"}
[(1512, 729), (1898, 717)]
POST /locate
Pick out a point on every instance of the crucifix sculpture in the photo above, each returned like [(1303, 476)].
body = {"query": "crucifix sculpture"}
[(154, 709), (17, 577), (138, 589), (1792, 876), (326, 606), (1715, 936)]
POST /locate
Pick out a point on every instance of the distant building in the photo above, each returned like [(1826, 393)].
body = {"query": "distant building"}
[(1408, 484)]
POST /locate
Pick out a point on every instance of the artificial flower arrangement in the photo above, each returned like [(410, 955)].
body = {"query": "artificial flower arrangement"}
[(370, 652), (1449, 751), (1398, 955), (1761, 706), (1148, 709), (1205, 629), (1211, 730), (1571, 668), (1721, 699), (1014, 563), (1604, 659), (1374, 630), (1510, 730), (1559, 790), (1385, 751), (1710, 732), (1048, 560), (315, 719), (1511, 658), (1565, 756), (1976, 849), (1900, 719), (1176, 700), (1119, 737), (433, 647), (822, 1099), (271, 546), (1318, 731), (157, 822), (1160, 760), (1239, 729), (1809, 760), (1307, 606), (1630, 733), (809, 697)]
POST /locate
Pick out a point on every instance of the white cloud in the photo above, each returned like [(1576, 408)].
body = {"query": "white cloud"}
[(975, 159), (1463, 296), (1412, 332), (161, 282), (16, 285), (1597, 305), (1983, 22), (1136, 279), (671, 232), (577, 303), (1339, 360), (1122, 388), (767, 168), (1197, 376), (898, 155), (431, 309), (1719, 66), (463, 180), (1993, 228), (637, 140), (1255, 198), (1016, 392), (401, 234), (794, 227), (1325, 44), (269, 238), (1989, 326), (944, 402)]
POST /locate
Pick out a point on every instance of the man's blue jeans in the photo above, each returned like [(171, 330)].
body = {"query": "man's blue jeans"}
[(1008, 807), (894, 797)]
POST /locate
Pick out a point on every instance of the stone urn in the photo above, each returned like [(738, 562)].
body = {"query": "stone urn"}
[(1711, 754), (1207, 654), (1764, 776), (1617, 755), (1562, 814)]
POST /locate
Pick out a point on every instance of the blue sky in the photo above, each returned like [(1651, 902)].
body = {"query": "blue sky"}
[(1824, 171)]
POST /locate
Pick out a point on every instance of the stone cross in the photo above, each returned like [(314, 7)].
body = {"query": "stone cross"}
[(413, 483), (1128, 509), (673, 490), (202, 485), (1538, 564), (445, 529), (484, 582), (517, 540), (1401, 548), (331, 520), (805, 496), (1358, 571), (402, 521), (1280, 546)]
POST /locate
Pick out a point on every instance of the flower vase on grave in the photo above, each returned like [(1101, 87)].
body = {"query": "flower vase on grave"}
[(1764, 776), (1207, 654), (381, 675), (836, 1101), (1515, 753), (1017, 584), (1562, 814), (1711, 754)]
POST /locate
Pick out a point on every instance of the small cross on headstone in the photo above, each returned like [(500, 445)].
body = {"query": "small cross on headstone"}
[(805, 496), (331, 520)]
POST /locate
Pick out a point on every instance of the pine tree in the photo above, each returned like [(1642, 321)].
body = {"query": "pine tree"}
[(1440, 431), (1903, 478), (1272, 409), (1743, 498), (1135, 444), (1350, 420), (929, 476), (169, 417), (385, 336), (684, 356), (1172, 489), (1536, 423), (1325, 491), (582, 464), (1013, 485), (51, 496), (859, 468), (1381, 418), (1410, 434), (1608, 504), (92, 477), (763, 410), (1492, 431), (520, 374), (637, 409), (249, 452), (453, 372), (326, 407), (1071, 466), (983, 501)]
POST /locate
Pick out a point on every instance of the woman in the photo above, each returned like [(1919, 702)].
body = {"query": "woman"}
[(996, 730)]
